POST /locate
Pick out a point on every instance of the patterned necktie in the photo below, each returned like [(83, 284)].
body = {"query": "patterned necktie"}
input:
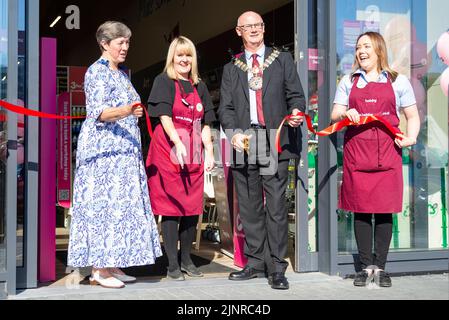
[(260, 116)]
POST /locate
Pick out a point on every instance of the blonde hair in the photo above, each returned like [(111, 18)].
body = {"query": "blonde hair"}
[(380, 48), (111, 30), (187, 47)]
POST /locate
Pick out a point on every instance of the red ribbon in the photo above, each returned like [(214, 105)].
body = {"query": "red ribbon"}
[(43, 115), (33, 113), (335, 127), (147, 117)]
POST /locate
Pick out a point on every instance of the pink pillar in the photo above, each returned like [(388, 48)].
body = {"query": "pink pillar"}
[(47, 160), (238, 234)]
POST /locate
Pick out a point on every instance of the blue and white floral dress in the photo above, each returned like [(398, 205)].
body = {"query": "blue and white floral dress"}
[(112, 222)]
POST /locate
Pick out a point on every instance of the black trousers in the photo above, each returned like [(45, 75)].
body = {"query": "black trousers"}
[(383, 231), (265, 226)]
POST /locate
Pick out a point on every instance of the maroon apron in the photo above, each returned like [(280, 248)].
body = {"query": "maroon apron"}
[(175, 191), (372, 165)]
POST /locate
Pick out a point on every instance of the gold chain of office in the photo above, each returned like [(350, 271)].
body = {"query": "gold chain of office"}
[(256, 82)]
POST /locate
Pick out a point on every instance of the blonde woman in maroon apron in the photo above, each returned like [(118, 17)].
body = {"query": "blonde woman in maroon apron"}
[(372, 166), (175, 163)]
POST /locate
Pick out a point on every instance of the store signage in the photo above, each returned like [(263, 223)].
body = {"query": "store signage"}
[(73, 20), (76, 85), (314, 59), (240, 259), (232, 237), (64, 161)]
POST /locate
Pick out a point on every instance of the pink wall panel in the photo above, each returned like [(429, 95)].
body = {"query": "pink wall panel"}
[(47, 160)]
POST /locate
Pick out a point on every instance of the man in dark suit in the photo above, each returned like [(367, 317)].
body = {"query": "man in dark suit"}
[(258, 90)]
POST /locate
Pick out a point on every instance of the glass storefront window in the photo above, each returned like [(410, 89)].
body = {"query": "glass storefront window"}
[(411, 30), (3, 136)]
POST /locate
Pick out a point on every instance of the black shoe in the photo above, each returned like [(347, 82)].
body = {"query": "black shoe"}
[(246, 274), (383, 279), (191, 270), (278, 281), (175, 275), (360, 278)]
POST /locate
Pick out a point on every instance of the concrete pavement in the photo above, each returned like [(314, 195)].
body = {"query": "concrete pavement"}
[(309, 286)]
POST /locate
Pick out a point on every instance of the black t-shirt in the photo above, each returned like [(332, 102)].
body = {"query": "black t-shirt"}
[(162, 97)]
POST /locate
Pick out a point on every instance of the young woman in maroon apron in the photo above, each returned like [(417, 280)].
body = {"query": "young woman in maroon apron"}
[(175, 163), (372, 180)]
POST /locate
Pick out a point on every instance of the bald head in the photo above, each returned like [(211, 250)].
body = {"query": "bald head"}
[(251, 29), (247, 18)]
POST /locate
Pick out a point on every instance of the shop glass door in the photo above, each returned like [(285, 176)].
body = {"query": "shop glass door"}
[(411, 30)]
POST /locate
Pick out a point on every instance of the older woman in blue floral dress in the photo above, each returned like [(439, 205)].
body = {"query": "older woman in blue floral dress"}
[(112, 225)]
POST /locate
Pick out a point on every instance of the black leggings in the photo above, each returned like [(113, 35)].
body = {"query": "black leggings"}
[(171, 234), (383, 231)]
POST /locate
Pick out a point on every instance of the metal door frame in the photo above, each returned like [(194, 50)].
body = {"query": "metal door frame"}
[(305, 261), (27, 275), (325, 259), (11, 172)]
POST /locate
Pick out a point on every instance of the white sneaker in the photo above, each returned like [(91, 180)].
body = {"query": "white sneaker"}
[(123, 277), (111, 282)]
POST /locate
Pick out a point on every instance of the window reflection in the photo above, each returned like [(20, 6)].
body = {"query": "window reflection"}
[(315, 80), (411, 29)]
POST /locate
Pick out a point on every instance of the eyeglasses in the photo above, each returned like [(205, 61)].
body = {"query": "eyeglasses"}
[(257, 26)]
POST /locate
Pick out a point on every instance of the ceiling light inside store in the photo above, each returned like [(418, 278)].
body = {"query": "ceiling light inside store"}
[(4, 78), (55, 22)]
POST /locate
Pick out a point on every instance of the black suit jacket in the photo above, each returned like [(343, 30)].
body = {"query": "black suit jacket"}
[(282, 92)]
